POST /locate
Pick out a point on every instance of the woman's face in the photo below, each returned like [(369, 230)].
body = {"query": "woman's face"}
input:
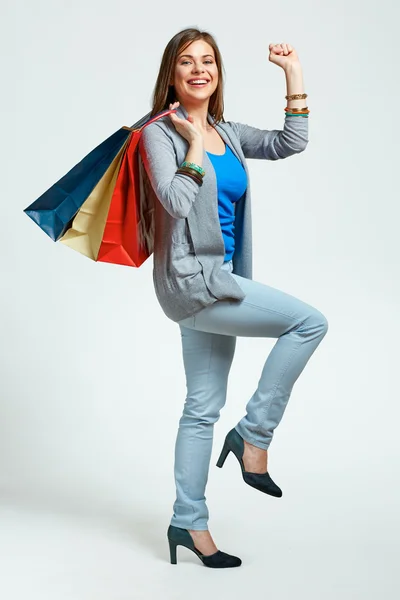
[(196, 62)]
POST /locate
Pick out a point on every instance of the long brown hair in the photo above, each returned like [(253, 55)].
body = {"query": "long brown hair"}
[(164, 94)]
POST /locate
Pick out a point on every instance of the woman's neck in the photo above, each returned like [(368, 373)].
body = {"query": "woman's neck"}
[(200, 116)]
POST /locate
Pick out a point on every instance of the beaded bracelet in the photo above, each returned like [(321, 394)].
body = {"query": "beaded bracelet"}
[(194, 166)]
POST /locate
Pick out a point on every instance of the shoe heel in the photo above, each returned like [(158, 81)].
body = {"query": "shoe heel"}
[(223, 455), (172, 551)]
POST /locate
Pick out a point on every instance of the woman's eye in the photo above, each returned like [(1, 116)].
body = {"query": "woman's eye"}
[(187, 61)]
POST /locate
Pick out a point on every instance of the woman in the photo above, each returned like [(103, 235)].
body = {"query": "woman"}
[(195, 166)]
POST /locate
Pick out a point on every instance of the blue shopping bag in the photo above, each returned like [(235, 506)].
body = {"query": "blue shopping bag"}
[(55, 210)]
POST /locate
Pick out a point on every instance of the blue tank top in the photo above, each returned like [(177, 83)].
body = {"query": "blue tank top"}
[(231, 185)]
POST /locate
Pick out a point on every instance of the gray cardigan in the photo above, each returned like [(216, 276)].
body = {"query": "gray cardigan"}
[(188, 244)]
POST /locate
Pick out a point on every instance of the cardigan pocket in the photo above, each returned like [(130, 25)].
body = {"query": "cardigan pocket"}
[(183, 255), (185, 269), (181, 234)]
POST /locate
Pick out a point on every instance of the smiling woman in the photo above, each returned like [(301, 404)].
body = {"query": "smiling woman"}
[(190, 55), (196, 165), (194, 72), (208, 59)]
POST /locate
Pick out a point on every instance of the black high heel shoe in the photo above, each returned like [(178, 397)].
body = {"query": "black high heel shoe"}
[(181, 537), (261, 481)]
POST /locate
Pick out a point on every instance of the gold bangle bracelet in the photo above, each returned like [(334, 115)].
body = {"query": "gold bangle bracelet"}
[(296, 96), (304, 109)]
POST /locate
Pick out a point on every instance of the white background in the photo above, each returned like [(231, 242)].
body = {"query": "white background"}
[(92, 380)]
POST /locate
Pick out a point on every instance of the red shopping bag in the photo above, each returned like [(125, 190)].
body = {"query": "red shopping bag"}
[(129, 231)]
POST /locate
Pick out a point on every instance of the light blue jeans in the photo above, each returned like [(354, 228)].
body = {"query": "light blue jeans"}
[(208, 344)]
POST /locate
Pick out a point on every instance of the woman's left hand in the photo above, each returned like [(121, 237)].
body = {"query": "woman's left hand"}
[(283, 55)]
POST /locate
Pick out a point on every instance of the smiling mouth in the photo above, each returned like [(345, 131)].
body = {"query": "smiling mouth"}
[(198, 84)]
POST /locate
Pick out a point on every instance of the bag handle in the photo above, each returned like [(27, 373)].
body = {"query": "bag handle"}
[(156, 117), (144, 121)]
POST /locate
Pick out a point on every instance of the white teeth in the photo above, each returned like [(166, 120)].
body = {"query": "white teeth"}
[(198, 81)]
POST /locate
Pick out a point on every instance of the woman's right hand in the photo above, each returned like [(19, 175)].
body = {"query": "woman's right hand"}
[(184, 127)]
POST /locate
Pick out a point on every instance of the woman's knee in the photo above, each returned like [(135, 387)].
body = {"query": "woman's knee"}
[(206, 412), (323, 322), (316, 321)]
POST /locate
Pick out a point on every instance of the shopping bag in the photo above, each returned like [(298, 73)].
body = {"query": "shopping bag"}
[(86, 231), (116, 222), (54, 210), (123, 240)]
